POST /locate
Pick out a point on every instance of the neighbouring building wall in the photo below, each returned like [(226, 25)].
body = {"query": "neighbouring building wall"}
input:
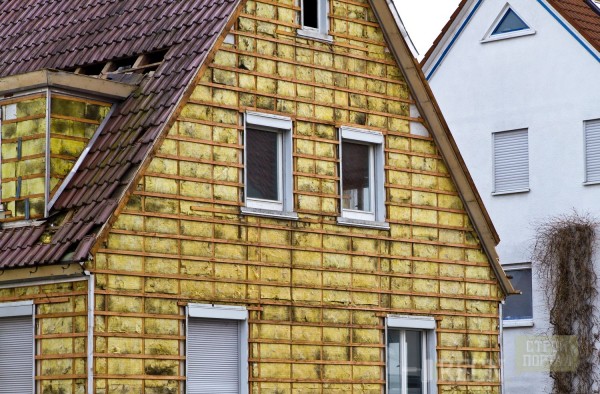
[(60, 315), (317, 292), (542, 83)]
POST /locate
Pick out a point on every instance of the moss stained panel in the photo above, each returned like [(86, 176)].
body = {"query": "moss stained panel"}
[(23, 160), (317, 292), (60, 334)]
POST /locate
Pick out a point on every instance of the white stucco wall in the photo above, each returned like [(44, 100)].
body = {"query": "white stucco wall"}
[(549, 84)]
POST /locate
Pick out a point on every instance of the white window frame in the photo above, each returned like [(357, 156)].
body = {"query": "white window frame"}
[(322, 32), (527, 189), (519, 33), (587, 181), (22, 308), (282, 126), (375, 140), (427, 326), (519, 322), (225, 312)]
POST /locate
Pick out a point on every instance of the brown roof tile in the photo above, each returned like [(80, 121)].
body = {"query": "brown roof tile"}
[(582, 16), (57, 34)]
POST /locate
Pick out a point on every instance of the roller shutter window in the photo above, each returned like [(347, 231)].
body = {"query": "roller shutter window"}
[(16, 348), (592, 151), (214, 356), (511, 161)]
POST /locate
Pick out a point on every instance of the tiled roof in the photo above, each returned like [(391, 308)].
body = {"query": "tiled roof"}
[(581, 14), (58, 34)]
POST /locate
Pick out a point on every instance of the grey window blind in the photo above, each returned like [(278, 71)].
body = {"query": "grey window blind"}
[(511, 161), (16, 355), (592, 151), (213, 356)]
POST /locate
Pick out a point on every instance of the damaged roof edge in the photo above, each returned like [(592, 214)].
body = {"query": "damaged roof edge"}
[(172, 116), (64, 80), (440, 131)]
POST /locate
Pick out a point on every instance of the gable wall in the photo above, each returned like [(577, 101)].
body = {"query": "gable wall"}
[(317, 292)]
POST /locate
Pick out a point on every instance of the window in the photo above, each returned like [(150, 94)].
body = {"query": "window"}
[(518, 310), (511, 162), (268, 169), (217, 349), (410, 355), (508, 24), (16, 347), (362, 175), (592, 151), (314, 19)]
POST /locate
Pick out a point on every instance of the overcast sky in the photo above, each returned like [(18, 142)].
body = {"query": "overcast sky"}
[(424, 19)]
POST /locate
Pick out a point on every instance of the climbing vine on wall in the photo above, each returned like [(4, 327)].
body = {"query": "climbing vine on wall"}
[(563, 253)]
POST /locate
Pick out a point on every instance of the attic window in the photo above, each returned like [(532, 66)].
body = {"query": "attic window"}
[(315, 20), (508, 24)]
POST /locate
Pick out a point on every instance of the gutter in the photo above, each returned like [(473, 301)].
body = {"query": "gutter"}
[(90, 330)]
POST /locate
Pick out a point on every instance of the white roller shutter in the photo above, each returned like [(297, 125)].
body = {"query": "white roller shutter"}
[(592, 151), (213, 356), (16, 348), (511, 161)]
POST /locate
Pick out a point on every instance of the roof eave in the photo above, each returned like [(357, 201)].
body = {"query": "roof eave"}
[(440, 131), (63, 80)]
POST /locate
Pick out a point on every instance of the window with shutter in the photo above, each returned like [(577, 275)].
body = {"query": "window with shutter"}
[(511, 162), (16, 348), (592, 151), (217, 351)]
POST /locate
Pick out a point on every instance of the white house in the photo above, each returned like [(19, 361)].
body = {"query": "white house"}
[(518, 83)]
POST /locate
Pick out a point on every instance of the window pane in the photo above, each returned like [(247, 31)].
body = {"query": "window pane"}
[(393, 360), (263, 164), (310, 10), (509, 23), (414, 361), (355, 177), (519, 306)]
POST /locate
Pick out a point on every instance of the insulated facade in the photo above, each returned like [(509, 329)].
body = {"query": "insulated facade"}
[(317, 292), (338, 255)]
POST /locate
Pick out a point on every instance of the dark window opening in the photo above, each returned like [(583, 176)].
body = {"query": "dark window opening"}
[(519, 307), (356, 176), (510, 22), (263, 170), (310, 13)]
